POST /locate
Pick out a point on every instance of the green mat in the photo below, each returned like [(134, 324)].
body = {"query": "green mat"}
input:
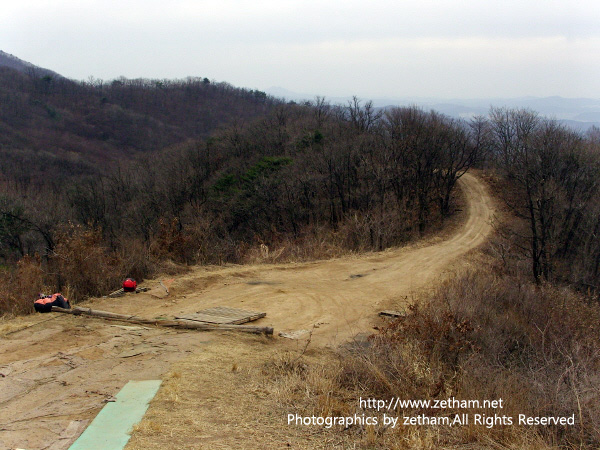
[(111, 427)]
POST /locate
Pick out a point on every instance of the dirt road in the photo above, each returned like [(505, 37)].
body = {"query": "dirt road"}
[(340, 296), (59, 371)]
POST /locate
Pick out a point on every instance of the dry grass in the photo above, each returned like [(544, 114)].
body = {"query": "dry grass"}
[(236, 394), (10, 324), (314, 244)]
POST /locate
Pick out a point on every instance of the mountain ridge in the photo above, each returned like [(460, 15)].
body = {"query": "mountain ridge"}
[(14, 62)]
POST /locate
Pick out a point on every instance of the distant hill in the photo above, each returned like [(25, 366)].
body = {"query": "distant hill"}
[(50, 125), (11, 61), (578, 113)]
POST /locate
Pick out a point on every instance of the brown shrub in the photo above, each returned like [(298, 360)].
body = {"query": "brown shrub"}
[(169, 242), (135, 259), (81, 265), (313, 243), (203, 242), (20, 286), (484, 336)]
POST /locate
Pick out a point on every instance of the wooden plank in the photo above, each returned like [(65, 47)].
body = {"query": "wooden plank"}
[(117, 293), (220, 319), (121, 292), (221, 310), (205, 318), (392, 313), (227, 312), (224, 315)]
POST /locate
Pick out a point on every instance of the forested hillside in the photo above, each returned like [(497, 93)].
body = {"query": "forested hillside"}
[(139, 172), (54, 127), (520, 325), (309, 180)]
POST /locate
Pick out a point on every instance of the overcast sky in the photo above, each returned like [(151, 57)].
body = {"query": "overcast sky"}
[(376, 48)]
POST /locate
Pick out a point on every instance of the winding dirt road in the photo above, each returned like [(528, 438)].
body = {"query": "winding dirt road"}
[(58, 372), (341, 295)]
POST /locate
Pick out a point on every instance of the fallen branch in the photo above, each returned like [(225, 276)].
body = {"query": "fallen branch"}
[(166, 288), (183, 324)]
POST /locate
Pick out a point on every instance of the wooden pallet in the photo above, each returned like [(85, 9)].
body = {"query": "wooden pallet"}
[(223, 315)]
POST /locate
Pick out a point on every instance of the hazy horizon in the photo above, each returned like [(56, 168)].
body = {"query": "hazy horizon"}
[(465, 49)]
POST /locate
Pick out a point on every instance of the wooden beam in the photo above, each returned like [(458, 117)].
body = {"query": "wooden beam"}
[(391, 313), (183, 324)]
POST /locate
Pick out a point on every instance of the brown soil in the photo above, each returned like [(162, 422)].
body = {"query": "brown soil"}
[(65, 368)]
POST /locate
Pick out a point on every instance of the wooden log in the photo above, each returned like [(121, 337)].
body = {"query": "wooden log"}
[(117, 293), (391, 313), (121, 292), (183, 324)]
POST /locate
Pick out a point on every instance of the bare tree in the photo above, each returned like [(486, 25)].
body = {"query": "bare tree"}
[(555, 180)]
